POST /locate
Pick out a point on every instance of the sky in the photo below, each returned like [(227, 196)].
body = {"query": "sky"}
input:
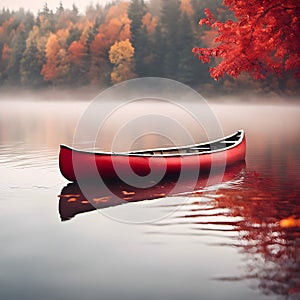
[(35, 6)]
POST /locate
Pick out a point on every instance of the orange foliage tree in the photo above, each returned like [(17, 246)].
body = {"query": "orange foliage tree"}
[(115, 28), (5, 57), (76, 51), (55, 68), (49, 70), (150, 22)]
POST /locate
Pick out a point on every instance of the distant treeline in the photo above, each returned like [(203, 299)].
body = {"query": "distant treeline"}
[(112, 43)]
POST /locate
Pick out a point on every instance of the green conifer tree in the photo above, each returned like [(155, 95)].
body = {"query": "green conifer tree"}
[(170, 26), (136, 11), (188, 65), (159, 52)]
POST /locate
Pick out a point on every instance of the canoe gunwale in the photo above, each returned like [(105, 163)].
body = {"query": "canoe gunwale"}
[(146, 152)]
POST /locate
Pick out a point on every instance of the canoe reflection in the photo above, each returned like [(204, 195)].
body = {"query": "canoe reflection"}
[(74, 201)]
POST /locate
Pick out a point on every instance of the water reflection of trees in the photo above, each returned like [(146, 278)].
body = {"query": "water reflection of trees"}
[(269, 242)]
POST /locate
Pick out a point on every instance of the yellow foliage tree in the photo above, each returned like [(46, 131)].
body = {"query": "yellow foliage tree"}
[(120, 54), (49, 70)]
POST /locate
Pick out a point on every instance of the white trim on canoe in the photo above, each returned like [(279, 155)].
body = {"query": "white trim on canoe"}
[(198, 149)]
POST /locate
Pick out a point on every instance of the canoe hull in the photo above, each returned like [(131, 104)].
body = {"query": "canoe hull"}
[(79, 165)]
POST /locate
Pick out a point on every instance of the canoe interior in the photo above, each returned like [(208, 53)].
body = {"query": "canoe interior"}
[(221, 144), (209, 147)]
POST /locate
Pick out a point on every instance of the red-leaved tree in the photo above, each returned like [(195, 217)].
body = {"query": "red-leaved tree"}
[(264, 38)]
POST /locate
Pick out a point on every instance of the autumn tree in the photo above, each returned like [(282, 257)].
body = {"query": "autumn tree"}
[(55, 69), (77, 55), (263, 38), (50, 70), (116, 27), (120, 54)]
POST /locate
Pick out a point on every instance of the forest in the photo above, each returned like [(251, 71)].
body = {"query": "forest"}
[(118, 41)]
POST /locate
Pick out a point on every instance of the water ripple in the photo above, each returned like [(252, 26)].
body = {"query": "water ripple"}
[(21, 156), (245, 215)]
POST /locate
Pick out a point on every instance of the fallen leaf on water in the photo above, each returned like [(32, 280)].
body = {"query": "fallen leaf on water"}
[(289, 222), (128, 193), (72, 199), (102, 199), (69, 195), (159, 195)]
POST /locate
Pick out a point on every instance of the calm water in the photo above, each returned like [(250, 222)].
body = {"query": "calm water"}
[(239, 239)]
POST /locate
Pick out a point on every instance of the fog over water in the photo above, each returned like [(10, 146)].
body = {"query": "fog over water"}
[(88, 93)]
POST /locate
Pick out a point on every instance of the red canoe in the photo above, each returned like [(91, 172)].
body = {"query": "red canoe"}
[(83, 165)]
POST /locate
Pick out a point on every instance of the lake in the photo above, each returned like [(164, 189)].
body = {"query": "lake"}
[(236, 239)]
